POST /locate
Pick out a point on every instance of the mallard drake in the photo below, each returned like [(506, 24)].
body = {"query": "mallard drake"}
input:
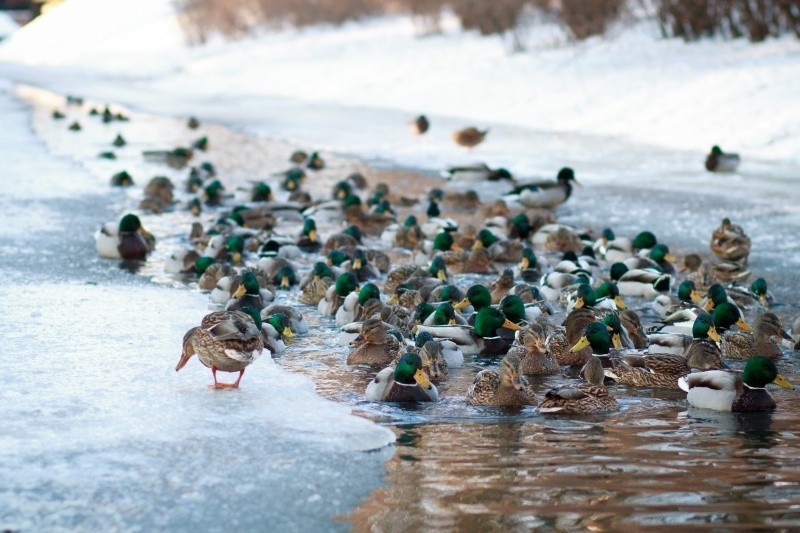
[(529, 268), (506, 388), (249, 294), (124, 240), (758, 291), (677, 310), (477, 173), (407, 235), (719, 161), (481, 339), (726, 315), (727, 391), (297, 322), (374, 346), (361, 266), (503, 251), (309, 239), (649, 370), (334, 297), (593, 397), (612, 248), (469, 137), (444, 315), (351, 306), (729, 242), (314, 286), (547, 194), (225, 340), (644, 282), (561, 343), (703, 353), (535, 360), (518, 311), (274, 329), (419, 125), (743, 344), (406, 382)]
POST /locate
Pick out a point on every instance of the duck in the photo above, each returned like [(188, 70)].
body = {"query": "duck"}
[(719, 161), (249, 294), (477, 173), (435, 355), (721, 390), (212, 274), (469, 137), (351, 306), (697, 271), (677, 342), (444, 315), (743, 344), (500, 286), (362, 267), (419, 125), (730, 243), (561, 342), (703, 352), (297, 323), (225, 340), (407, 235), (612, 248), (314, 286), (535, 360), (345, 284), (758, 291), (504, 388), (546, 194), (683, 308), (726, 315), (643, 282), (405, 382), (591, 397), (482, 338), (648, 370), (126, 239), (274, 329), (502, 251), (374, 346), (309, 239)]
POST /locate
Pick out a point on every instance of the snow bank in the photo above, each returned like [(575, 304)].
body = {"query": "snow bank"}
[(7, 25)]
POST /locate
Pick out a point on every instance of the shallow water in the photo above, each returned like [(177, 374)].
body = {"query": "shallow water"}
[(455, 466)]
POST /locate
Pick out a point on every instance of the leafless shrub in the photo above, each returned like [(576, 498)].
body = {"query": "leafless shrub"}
[(755, 19), (587, 18)]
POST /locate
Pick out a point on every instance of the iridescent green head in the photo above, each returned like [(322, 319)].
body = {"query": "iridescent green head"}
[(760, 289), (715, 296), (261, 192), (342, 190), (351, 200), (423, 311), (354, 232), (409, 371), (726, 315), (309, 227), (703, 327), (443, 241), (368, 290), (410, 222), (596, 336), (346, 283), (643, 240), (617, 270), (489, 319), (281, 324), (214, 190), (129, 223), (450, 293), (487, 238), (608, 235), (716, 150), (520, 226), (687, 292), (438, 268), (614, 326), (566, 174), (285, 277), (760, 371), (528, 259), (513, 308), (660, 253), (478, 296), (250, 283), (202, 263), (444, 315), (321, 270), (336, 257)]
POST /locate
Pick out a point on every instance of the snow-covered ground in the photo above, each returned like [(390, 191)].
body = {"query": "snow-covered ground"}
[(630, 84)]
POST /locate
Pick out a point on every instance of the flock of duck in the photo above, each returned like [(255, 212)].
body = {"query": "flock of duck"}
[(404, 296)]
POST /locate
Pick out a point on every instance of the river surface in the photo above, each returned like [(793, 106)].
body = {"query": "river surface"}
[(130, 438)]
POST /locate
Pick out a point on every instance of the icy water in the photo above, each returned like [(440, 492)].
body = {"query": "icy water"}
[(114, 438)]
